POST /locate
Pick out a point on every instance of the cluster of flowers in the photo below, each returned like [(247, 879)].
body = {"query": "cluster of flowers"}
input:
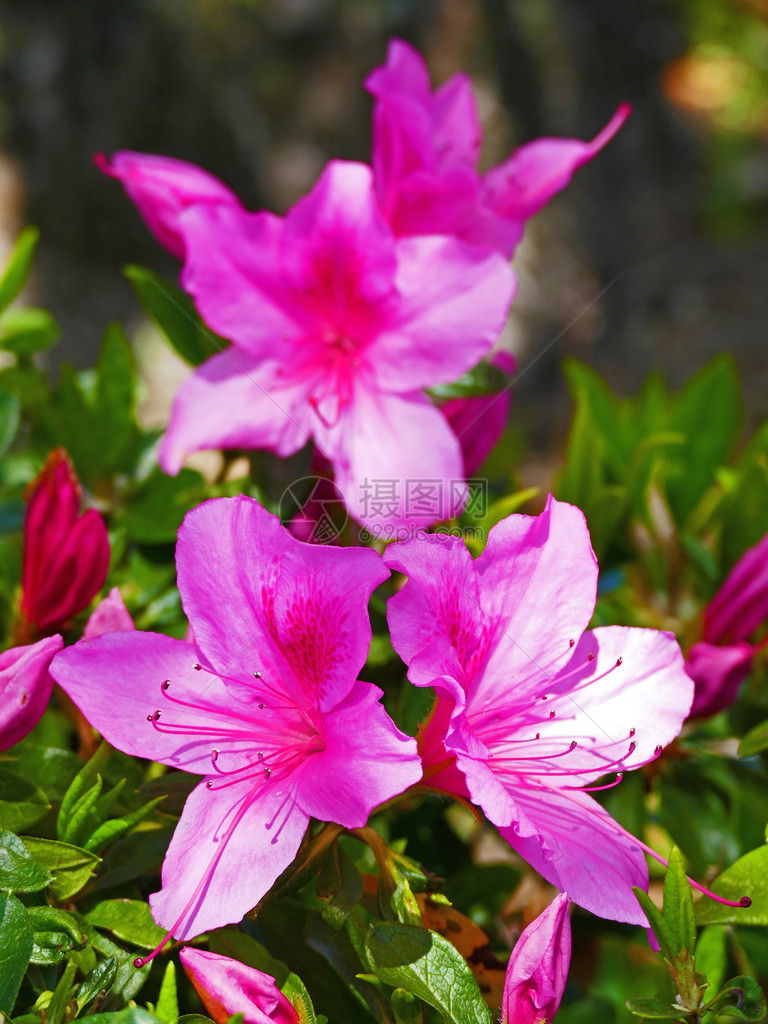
[(382, 282)]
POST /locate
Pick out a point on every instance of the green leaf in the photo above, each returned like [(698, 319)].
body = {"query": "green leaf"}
[(18, 266), (747, 877), (15, 948), (22, 803), (742, 998), (10, 417), (154, 513), (341, 884), (655, 1009), (18, 871), (62, 996), (678, 904), (407, 1007), (71, 866), (27, 330), (51, 768), (175, 315), (755, 741), (116, 827), (167, 1008), (129, 920), (128, 979), (97, 984), (429, 967), (114, 400), (130, 1015), (80, 820), (56, 933), (661, 929), (483, 379), (80, 785), (712, 956)]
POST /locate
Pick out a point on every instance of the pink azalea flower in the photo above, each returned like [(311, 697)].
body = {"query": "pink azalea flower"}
[(538, 968), (162, 188), (227, 987), (266, 706), (338, 327), (66, 555), (532, 710), (425, 151), (722, 659), (25, 687)]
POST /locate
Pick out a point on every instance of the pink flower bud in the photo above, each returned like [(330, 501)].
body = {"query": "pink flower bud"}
[(109, 616), (25, 688), (538, 967), (226, 987), (66, 555)]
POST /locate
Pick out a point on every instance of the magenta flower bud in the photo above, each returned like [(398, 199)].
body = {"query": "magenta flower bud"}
[(226, 987), (66, 555), (721, 661), (25, 688), (538, 967), (162, 188)]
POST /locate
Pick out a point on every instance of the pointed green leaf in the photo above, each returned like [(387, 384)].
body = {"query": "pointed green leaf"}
[(15, 948), (116, 827), (167, 1008), (18, 266), (429, 967), (175, 315), (656, 920), (70, 866), (678, 904), (80, 785), (96, 986), (483, 379), (10, 418), (62, 995), (755, 741), (55, 933), (81, 818)]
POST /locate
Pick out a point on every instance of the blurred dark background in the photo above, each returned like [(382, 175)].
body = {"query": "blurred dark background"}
[(673, 215)]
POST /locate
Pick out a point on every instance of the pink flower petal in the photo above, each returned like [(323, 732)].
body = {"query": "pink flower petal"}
[(454, 303), (25, 687), (538, 581), (344, 783), (116, 680), (235, 400), (578, 847), (524, 183), (260, 600), (162, 188), (109, 616), (228, 848), (232, 271), (396, 462)]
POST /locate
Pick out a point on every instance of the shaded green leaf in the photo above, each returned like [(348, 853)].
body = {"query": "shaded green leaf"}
[(167, 1008), (10, 417), (429, 967), (678, 904), (341, 884), (175, 315), (483, 379), (655, 1009), (116, 827), (755, 741), (97, 984), (80, 785), (661, 929), (15, 948), (70, 866), (22, 803), (742, 997), (18, 871)]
